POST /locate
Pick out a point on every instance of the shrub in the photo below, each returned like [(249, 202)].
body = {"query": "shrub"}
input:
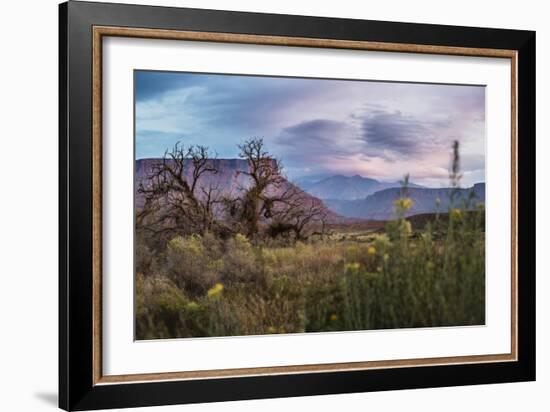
[(159, 303), (206, 286), (240, 262), (189, 266)]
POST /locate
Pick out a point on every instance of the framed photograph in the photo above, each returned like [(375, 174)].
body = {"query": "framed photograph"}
[(256, 205)]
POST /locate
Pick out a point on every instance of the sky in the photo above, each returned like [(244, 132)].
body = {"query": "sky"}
[(318, 127)]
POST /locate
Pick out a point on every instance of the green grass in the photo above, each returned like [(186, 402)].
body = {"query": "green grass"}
[(352, 280)]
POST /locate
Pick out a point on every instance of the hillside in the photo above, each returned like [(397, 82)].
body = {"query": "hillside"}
[(340, 187), (339, 194), (228, 181), (379, 206)]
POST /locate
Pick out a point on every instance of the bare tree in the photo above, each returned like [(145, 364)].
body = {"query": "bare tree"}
[(298, 214), (181, 198), (265, 174), (175, 198), (270, 198)]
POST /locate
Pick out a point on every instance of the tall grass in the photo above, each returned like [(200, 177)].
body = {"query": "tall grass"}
[(203, 286)]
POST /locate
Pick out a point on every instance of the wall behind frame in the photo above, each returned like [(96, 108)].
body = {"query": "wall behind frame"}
[(28, 229)]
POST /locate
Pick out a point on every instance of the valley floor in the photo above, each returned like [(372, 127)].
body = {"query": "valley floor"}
[(389, 275)]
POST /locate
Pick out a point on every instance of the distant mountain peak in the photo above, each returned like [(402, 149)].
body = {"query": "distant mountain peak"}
[(340, 187), (380, 205)]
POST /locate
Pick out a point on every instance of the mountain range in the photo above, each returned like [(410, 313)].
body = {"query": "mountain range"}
[(340, 187), (366, 198), (380, 205), (346, 198)]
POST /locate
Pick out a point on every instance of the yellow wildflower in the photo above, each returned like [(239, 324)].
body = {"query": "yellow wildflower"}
[(351, 266), (192, 305), (333, 317), (371, 250), (456, 213), (215, 290), (404, 203), (386, 257)]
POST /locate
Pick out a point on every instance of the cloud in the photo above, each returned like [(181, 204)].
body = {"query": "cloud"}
[(316, 126), (392, 133), (150, 141), (226, 105), (319, 137), (151, 84)]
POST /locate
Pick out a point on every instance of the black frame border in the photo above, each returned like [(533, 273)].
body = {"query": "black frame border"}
[(76, 388)]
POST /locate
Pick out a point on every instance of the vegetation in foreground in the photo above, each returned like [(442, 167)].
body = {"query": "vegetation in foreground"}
[(204, 284)]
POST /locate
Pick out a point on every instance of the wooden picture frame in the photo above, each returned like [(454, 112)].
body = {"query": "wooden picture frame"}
[(82, 384)]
